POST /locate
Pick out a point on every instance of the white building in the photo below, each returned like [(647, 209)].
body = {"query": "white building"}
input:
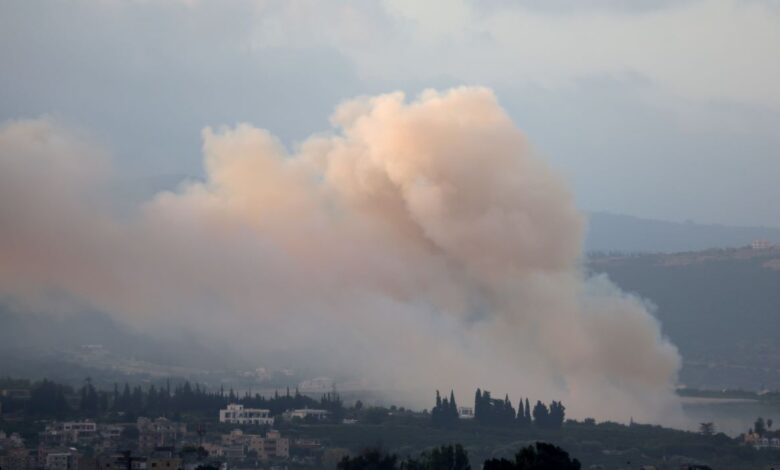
[(305, 413), (761, 244), (237, 414), (466, 412), (61, 459), (69, 432)]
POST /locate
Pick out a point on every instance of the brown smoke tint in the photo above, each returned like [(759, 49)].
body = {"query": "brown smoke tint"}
[(417, 245)]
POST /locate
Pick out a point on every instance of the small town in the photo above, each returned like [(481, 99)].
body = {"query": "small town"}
[(161, 443), (49, 426)]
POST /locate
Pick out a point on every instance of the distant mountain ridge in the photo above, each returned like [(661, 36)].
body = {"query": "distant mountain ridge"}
[(609, 232), (720, 307)]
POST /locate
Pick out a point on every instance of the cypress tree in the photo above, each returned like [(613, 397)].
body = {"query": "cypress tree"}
[(126, 400), (541, 415), (436, 411), (508, 411), (478, 406), (453, 407), (115, 404), (557, 414), (527, 413), (520, 413)]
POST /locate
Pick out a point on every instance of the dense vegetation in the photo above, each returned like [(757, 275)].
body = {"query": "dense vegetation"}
[(495, 412), (52, 400), (540, 456), (490, 435)]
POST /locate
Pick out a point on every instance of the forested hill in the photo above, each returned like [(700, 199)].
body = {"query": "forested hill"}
[(614, 232), (720, 307)]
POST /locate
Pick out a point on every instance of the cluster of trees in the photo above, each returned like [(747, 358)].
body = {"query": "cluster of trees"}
[(541, 456), (445, 413), (50, 399), (280, 403), (497, 412), (763, 427), (551, 418), (447, 457)]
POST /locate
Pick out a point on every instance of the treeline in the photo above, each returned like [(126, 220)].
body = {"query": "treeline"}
[(763, 428), (541, 456), (500, 412), (50, 399), (445, 412)]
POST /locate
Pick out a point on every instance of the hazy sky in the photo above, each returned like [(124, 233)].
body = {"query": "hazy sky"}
[(657, 108)]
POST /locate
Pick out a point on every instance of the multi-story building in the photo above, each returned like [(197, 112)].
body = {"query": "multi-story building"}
[(59, 459), (110, 431), (271, 447), (235, 437), (234, 452), (307, 444), (213, 449), (158, 433), (69, 433), (761, 244), (237, 414)]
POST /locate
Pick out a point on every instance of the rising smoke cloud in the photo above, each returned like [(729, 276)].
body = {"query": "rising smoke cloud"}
[(417, 245)]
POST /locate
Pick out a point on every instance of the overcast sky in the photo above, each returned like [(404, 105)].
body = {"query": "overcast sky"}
[(656, 108)]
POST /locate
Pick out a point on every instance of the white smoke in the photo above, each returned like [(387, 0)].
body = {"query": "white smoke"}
[(418, 245)]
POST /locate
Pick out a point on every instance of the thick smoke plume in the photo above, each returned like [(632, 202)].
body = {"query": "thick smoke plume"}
[(418, 245)]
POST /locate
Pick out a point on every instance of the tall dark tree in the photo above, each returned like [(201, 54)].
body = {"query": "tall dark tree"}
[(541, 415), (759, 427), (48, 399), (707, 429), (103, 405), (115, 399), (445, 412), (478, 405), (126, 400), (454, 407), (89, 401), (508, 412), (528, 420), (557, 414), (493, 411), (520, 414)]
